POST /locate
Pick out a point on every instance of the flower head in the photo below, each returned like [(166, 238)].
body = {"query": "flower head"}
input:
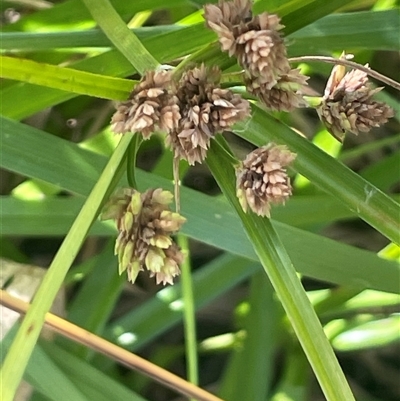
[(347, 104), (145, 225), (206, 109), (254, 40), (258, 45), (150, 106), (261, 180)]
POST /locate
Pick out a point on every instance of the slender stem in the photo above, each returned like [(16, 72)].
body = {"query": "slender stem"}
[(189, 317), (131, 163), (125, 357), (201, 54), (331, 60), (28, 333), (177, 184)]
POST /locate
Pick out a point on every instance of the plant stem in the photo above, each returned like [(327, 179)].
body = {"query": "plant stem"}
[(189, 317), (131, 160), (203, 53), (331, 60), (177, 184)]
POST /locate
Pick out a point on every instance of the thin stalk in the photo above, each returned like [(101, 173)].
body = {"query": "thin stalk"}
[(120, 35), (341, 61), (177, 184), (204, 53), (125, 357), (189, 317), (21, 349), (283, 277), (131, 160)]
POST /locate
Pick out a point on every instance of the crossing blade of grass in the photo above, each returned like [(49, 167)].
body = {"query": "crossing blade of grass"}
[(24, 342), (357, 194), (120, 35), (280, 270), (251, 366)]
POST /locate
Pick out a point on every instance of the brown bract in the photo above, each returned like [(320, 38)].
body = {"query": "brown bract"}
[(348, 105), (151, 106), (261, 180), (145, 225), (206, 109)]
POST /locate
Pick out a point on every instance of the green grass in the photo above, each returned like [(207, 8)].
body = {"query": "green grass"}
[(66, 63)]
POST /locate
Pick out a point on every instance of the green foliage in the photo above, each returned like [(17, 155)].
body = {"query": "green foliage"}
[(66, 63)]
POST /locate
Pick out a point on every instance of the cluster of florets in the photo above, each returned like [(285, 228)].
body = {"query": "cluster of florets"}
[(348, 106), (145, 225), (257, 43), (262, 180)]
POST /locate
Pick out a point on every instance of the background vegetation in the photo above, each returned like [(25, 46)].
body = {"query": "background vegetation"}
[(61, 75)]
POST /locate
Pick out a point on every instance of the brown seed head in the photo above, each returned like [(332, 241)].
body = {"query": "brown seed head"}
[(262, 179), (254, 40), (348, 105), (145, 225), (206, 110), (150, 106)]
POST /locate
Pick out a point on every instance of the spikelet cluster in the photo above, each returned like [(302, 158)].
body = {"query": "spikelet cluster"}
[(206, 109), (348, 104), (257, 43), (262, 180), (151, 106), (145, 225)]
